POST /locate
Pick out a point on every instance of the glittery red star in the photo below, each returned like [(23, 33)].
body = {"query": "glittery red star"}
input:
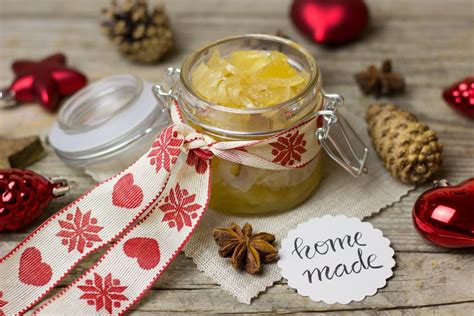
[(45, 81)]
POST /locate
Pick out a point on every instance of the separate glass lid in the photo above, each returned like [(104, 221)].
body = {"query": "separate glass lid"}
[(105, 117)]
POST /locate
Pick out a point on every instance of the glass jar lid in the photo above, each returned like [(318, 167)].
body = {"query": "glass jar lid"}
[(106, 116)]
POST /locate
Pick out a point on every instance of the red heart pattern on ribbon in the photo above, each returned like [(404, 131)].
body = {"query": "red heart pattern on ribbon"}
[(33, 271), (126, 194), (145, 250), (149, 210)]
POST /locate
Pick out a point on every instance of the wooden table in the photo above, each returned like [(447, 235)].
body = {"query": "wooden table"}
[(431, 42)]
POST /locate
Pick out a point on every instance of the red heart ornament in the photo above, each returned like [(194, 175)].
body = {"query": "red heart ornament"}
[(145, 250), (444, 215), (331, 22), (33, 270), (460, 96), (126, 194)]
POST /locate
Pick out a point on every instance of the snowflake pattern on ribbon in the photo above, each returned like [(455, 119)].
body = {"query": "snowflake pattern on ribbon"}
[(2, 303), (165, 149), (179, 208), (103, 292), (288, 149), (79, 231)]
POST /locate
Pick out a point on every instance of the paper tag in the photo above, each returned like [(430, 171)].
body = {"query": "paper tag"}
[(336, 259)]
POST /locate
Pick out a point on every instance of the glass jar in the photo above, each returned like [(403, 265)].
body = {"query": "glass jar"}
[(240, 189)]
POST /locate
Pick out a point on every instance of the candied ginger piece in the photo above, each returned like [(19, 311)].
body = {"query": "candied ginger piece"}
[(205, 81), (277, 68), (217, 63), (249, 61)]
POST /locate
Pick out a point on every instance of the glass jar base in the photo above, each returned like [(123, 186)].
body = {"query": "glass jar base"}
[(259, 199)]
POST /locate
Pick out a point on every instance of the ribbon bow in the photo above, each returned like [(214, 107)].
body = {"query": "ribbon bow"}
[(147, 212)]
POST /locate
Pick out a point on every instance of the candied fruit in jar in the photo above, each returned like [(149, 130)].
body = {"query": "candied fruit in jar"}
[(248, 79)]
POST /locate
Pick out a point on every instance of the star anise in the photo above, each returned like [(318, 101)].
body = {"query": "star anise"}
[(246, 250), (381, 82)]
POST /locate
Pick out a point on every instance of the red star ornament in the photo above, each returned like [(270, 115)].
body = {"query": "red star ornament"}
[(45, 81)]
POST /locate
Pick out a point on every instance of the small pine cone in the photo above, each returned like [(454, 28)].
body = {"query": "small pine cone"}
[(140, 36), (409, 149)]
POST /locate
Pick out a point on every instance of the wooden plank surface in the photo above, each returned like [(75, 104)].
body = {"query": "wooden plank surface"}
[(430, 41)]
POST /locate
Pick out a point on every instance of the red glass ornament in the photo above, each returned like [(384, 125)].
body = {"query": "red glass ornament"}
[(24, 195), (331, 22), (444, 215), (45, 81), (460, 96)]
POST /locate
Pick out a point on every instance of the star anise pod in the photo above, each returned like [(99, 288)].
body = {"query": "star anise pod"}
[(381, 82), (246, 250)]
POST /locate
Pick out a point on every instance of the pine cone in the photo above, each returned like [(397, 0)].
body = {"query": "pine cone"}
[(409, 149), (140, 36)]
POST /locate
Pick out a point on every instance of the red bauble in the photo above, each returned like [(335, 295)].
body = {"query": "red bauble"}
[(444, 215), (331, 22), (45, 81), (24, 195), (460, 96)]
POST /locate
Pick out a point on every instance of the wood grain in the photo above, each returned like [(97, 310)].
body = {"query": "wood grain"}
[(431, 42)]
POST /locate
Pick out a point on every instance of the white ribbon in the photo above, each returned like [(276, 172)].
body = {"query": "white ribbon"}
[(148, 212)]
